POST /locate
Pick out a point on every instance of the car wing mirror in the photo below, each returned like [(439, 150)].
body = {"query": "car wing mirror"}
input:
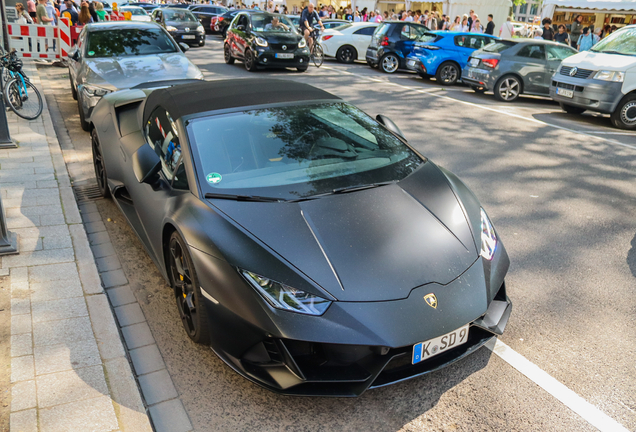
[(184, 46), (146, 164), (74, 55), (388, 123)]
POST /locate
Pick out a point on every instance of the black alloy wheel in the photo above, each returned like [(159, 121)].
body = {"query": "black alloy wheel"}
[(570, 109), (389, 63), (448, 73), (98, 164), (187, 293), (624, 117), (249, 61), (346, 54), (227, 54)]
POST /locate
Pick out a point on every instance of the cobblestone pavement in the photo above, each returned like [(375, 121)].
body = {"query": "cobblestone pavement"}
[(69, 370)]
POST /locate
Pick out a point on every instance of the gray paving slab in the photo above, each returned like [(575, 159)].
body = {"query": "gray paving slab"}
[(24, 421), (67, 356), (113, 278), (23, 395), (20, 324), (94, 415), (22, 368), (157, 387), (94, 227), (102, 250), (56, 289), (120, 296), (59, 309), (45, 273), (170, 416), (129, 314), (137, 335), (62, 331), (147, 359), (104, 327), (21, 345), (108, 263), (99, 238), (71, 386)]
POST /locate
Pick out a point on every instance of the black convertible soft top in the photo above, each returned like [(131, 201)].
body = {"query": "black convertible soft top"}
[(202, 96)]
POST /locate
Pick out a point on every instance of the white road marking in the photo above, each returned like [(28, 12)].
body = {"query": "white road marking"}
[(576, 403), (485, 107)]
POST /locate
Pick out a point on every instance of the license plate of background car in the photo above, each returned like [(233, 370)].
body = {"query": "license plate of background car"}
[(564, 92), (473, 62), (188, 36), (284, 56), (425, 350)]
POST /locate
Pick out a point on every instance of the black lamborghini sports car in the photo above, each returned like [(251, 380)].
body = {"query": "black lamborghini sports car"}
[(309, 244)]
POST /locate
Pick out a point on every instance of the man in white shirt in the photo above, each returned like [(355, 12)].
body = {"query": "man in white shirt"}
[(507, 30)]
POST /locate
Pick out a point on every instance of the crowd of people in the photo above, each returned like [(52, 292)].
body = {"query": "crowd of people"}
[(47, 12), (577, 36)]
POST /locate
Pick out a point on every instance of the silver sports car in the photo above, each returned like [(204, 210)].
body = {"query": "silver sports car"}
[(121, 55)]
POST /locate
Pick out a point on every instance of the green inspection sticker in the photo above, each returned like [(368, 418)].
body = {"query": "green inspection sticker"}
[(91, 53), (213, 178)]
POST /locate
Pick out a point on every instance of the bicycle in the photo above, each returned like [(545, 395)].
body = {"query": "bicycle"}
[(19, 93), (317, 55)]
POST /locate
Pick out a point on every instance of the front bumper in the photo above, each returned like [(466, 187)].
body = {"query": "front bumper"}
[(190, 38), (480, 77), (591, 94), (266, 57), (87, 102), (353, 346)]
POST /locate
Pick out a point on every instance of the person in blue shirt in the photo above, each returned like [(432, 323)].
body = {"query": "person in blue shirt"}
[(586, 40), (307, 19)]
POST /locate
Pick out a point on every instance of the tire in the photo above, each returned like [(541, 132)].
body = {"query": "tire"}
[(372, 65), (478, 89), (26, 105), (317, 55), (86, 126), (347, 54), (249, 61), (187, 291), (227, 54), (447, 73), (73, 89), (389, 63), (302, 69), (423, 75), (98, 164), (624, 117), (571, 109), (508, 88)]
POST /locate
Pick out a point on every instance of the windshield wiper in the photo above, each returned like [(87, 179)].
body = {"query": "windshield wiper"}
[(252, 198), (343, 190)]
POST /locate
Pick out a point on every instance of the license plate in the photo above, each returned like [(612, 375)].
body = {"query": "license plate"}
[(284, 56), (564, 92), (189, 36), (473, 62), (432, 347), (411, 63)]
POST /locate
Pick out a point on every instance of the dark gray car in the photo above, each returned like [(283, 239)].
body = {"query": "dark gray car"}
[(121, 55), (510, 68)]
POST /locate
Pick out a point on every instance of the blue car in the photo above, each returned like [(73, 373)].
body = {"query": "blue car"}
[(444, 54)]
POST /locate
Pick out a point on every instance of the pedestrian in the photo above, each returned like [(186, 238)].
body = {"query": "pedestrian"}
[(464, 25), (379, 18), (356, 17), (562, 35), (84, 15), (456, 25), (538, 34), (409, 17), (586, 40), (597, 34), (31, 9), (548, 32), (490, 27), (576, 29), (470, 18), (507, 29), (71, 11), (41, 16), (23, 16), (476, 26), (91, 10), (100, 12)]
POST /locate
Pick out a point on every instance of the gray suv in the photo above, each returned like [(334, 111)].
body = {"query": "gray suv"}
[(513, 67)]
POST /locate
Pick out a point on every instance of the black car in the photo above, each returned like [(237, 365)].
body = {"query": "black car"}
[(224, 21), (309, 244), (181, 24), (148, 7), (391, 43), (263, 39), (205, 13)]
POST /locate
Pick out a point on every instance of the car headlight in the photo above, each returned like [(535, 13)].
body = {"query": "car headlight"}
[(285, 297), (488, 237), (171, 28), (614, 76), (200, 29), (260, 41), (302, 43), (95, 91)]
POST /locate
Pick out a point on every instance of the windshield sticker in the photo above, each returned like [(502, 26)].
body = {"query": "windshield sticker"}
[(213, 178), (91, 53)]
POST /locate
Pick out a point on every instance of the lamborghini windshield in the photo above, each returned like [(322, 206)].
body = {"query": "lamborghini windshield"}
[(128, 42), (296, 151)]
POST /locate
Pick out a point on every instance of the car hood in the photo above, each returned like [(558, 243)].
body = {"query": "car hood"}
[(371, 245), (182, 25), (600, 61), (282, 38), (125, 72)]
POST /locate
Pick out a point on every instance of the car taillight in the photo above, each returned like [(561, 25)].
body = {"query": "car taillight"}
[(491, 63), (385, 41), (327, 37), (220, 18)]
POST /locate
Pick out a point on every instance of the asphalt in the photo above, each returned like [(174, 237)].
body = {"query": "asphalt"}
[(559, 189)]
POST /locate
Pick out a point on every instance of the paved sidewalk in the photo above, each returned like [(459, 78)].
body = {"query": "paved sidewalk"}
[(69, 370)]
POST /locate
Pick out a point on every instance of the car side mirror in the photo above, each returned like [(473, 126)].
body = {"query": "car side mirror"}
[(388, 123), (240, 27), (184, 46), (74, 55), (146, 164), (158, 19)]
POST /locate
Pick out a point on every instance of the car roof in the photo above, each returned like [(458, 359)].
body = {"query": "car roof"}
[(120, 25), (534, 41), (203, 96)]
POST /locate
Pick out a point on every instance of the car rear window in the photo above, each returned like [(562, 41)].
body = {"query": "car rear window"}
[(381, 30), (498, 46), (128, 42)]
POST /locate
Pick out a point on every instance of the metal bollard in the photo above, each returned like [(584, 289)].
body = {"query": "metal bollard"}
[(8, 240), (5, 137)]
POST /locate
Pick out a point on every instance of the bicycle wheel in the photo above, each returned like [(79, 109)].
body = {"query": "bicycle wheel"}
[(24, 100), (5, 77), (317, 55)]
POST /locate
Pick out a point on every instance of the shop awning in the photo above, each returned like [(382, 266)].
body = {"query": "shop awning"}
[(549, 6)]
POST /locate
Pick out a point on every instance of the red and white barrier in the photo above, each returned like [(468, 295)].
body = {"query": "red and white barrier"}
[(33, 40), (65, 36)]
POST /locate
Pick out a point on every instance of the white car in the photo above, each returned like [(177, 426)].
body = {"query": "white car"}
[(137, 13), (348, 42)]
